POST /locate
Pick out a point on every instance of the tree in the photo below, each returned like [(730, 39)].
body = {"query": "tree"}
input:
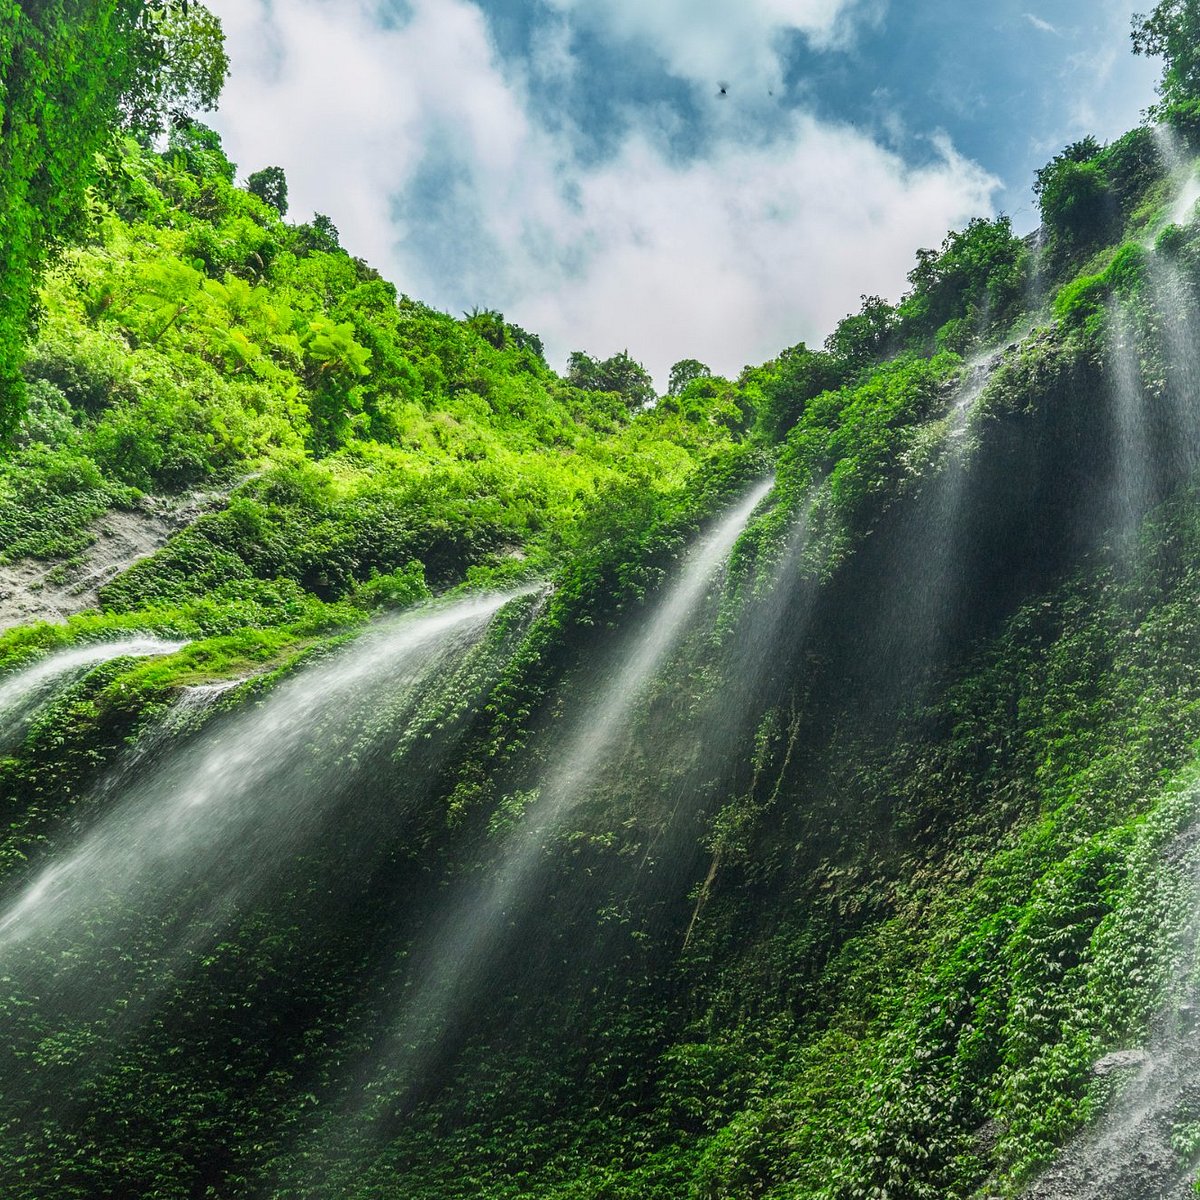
[(326, 229), (496, 331), (800, 375), (178, 62), (199, 149), (1073, 193), (1172, 31), (270, 186), (320, 235), (683, 372), (336, 363), (619, 374), (1082, 151), (69, 72), (522, 339), (975, 281), (863, 338), (489, 324)]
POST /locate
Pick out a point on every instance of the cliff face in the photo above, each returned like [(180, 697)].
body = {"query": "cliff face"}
[(790, 793)]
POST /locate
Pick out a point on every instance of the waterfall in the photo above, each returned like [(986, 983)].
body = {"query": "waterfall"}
[(23, 690), (209, 826), (1176, 301), (1183, 211), (222, 822), (1156, 421), (1179, 346), (1035, 281), (608, 717), (1134, 486), (770, 627), (976, 374), (1143, 1147), (474, 927), (1185, 177), (912, 621)]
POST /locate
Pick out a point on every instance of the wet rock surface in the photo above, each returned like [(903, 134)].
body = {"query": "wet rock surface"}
[(1120, 1060), (1143, 1146), (1132, 1155), (40, 590)]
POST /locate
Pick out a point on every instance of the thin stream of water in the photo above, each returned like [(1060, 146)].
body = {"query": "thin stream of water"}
[(475, 926), (566, 785), (1185, 177), (913, 618), (1133, 486), (24, 690), (1132, 1152), (1156, 425), (212, 813), (221, 812)]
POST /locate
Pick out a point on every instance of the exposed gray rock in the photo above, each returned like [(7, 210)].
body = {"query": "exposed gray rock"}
[(1134, 1152), (1119, 1060), (39, 590)]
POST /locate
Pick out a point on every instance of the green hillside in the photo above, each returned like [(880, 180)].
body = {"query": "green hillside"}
[(834, 876)]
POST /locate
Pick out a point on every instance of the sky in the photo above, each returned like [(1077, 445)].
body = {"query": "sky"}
[(710, 179)]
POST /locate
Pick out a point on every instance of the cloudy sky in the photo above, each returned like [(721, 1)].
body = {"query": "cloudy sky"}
[(714, 179)]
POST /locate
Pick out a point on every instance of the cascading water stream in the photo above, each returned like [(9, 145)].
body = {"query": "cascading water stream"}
[(25, 689), (1183, 211), (476, 925), (607, 719), (1184, 174), (1133, 486), (975, 377), (1035, 283), (1176, 301), (766, 625), (1155, 414), (923, 560), (223, 822), (1144, 1147), (209, 824)]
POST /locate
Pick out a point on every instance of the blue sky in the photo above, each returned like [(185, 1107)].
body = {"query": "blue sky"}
[(683, 178)]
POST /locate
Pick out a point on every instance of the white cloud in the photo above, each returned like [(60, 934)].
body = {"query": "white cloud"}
[(551, 59), (1039, 23), (767, 240), (706, 41), (348, 108), (733, 258)]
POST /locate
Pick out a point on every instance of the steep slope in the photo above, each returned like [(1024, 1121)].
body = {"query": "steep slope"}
[(791, 793)]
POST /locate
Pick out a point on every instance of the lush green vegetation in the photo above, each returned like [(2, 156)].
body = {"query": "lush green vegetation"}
[(887, 859), (67, 70)]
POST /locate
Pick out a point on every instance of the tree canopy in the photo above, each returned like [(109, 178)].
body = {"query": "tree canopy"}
[(1172, 31), (71, 72), (179, 65), (270, 186), (684, 372), (619, 374)]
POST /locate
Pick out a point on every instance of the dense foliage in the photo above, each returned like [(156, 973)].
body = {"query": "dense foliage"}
[(67, 69), (892, 847), (1172, 32)]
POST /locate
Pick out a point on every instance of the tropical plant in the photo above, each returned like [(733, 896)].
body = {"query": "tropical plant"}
[(270, 186), (619, 374), (1172, 31)]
